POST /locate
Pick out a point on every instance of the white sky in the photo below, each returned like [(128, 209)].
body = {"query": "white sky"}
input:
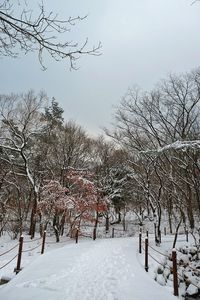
[(143, 41)]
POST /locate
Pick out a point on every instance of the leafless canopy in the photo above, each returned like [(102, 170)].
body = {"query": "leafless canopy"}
[(28, 31)]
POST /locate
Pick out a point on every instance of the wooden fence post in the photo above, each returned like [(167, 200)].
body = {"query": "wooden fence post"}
[(18, 267), (43, 242), (113, 232), (140, 242), (146, 254), (175, 277), (94, 234), (77, 236)]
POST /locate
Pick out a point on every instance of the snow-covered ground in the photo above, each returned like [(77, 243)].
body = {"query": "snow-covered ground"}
[(105, 269)]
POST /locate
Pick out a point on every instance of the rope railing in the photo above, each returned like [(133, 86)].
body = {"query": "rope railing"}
[(22, 242), (171, 241), (190, 282), (19, 254), (29, 250), (50, 242), (8, 262), (183, 277), (193, 269), (158, 251), (9, 250), (31, 241), (188, 265), (145, 246), (116, 229), (60, 242), (55, 242), (85, 234), (164, 266)]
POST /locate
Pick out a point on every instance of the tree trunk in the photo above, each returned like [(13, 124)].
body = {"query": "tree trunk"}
[(169, 211), (56, 227), (33, 218), (190, 207), (159, 223), (176, 233), (107, 223), (62, 224), (96, 221)]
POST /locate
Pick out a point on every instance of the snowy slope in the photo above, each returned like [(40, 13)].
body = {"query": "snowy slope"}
[(106, 269)]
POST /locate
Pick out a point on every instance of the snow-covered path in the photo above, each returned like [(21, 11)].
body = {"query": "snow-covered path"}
[(102, 270)]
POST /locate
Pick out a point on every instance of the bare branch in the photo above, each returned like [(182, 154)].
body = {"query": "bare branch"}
[(40, 34)]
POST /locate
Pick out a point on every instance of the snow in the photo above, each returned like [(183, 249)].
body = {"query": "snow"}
[(191, 290), (160, 279), (181, 145), (105, 269), (177, 145)]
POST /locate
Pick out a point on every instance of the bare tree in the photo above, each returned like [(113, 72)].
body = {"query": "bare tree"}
[(20, 118), (64, 145), (160, 131), (24, 29)]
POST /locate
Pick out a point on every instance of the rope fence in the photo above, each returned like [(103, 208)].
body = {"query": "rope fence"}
[(158, 251), (187, 280), (85, 235), (20, 251), (42, 244), (143, 246), (29, 250), (9, 250), (190, 282), (8, 262), (33, 240), (50, 242), (193, 269), (164, 266), (173, 257), (55, 242)]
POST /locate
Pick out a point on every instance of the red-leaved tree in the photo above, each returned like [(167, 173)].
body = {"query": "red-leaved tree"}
[(89, 201), (81, 202), (54, 206)]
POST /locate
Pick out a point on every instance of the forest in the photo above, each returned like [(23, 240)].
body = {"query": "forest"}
[(54, 174)]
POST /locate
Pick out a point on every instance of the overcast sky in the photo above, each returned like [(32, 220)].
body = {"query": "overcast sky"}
[(143, 41)]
